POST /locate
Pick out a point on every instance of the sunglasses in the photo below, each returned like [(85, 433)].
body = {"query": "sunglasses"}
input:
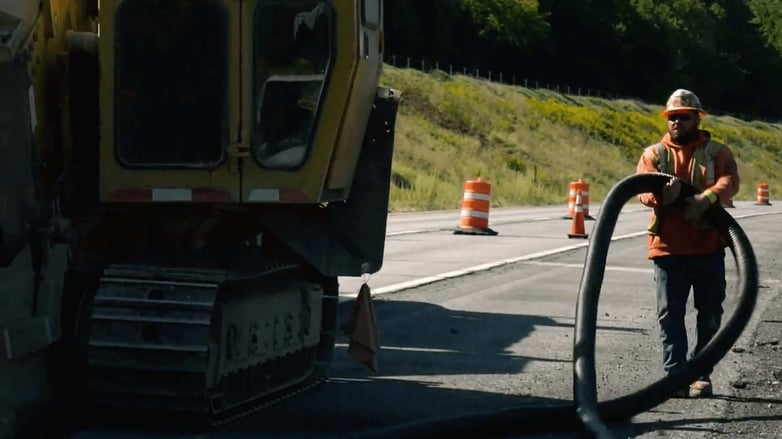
[(680, 117)]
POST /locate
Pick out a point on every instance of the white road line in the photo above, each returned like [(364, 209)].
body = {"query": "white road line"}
[(488, 266), (580, 266), (411, 349), (410, 232)]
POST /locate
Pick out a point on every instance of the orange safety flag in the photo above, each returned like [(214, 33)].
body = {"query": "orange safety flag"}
[(362, 330)]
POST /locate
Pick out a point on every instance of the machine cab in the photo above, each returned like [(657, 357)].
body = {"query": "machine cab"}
[(234, 101)]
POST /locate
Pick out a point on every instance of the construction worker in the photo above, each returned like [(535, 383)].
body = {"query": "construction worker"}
[(686, 252)]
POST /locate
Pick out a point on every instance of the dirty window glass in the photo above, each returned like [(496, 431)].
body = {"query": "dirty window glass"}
[(171, 82), (292, 51), (371, 13)]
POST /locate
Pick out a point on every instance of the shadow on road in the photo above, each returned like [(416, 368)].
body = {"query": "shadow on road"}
[(434, 362), (696, 424), (425, 339)]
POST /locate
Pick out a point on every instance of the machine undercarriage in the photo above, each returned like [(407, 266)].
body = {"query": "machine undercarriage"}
[(199, 342), (206, 336)]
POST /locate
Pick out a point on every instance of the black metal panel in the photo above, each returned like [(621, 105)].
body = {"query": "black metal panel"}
[(171, 82), (16, 161), (348, 238), (80, 166)]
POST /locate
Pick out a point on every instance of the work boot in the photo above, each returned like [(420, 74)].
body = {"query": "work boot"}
[(701, 388)]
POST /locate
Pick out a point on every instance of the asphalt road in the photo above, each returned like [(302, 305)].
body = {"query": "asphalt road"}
[(477, 323)]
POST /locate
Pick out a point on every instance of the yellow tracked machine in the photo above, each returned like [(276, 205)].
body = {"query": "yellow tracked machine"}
[(181, 184)]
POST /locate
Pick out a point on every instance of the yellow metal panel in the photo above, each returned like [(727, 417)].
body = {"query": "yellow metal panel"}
[(364, 88), (303, 185), (115, 177)]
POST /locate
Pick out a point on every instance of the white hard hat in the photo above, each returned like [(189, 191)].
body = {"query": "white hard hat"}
[(683, 100)]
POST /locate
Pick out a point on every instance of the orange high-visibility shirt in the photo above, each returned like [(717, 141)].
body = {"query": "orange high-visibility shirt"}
[(676, 235)]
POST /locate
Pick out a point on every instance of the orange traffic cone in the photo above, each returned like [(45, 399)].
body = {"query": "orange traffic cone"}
[(577, 226), (763, 194), (362, 330)]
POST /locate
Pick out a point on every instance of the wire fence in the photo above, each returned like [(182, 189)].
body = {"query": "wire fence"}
[(500, 77), (522, 81)]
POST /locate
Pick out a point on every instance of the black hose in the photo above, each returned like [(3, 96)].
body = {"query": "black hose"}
[(586, 412), (584, 385)]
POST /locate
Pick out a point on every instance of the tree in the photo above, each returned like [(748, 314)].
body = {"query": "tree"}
[(768, 16), (516, 23)]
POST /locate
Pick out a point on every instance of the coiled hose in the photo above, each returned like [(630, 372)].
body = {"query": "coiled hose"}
[(587, 413)]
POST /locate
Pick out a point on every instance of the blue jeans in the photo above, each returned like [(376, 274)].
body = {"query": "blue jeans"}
[(674, 276)]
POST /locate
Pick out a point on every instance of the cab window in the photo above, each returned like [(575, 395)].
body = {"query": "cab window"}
[(371, 9), (292, 52), (171, 83)]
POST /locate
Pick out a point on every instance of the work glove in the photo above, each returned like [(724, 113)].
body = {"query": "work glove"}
[(671, 191), (695, 206)]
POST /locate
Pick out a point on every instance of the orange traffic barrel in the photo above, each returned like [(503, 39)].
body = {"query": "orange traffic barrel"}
[(763, 194), (577, 225), (575, 187), (474, 218)]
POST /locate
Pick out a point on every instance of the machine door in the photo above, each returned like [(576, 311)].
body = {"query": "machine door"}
[(311, 73), (169, 100), (294, 97)]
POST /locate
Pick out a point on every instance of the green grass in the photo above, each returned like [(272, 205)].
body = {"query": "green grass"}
[(531, 143)]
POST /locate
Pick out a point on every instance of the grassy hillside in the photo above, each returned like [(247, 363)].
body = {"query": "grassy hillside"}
[(531, 143)]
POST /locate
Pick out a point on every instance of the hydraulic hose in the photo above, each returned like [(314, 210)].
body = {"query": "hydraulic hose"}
[(586, 413), (584, 384)]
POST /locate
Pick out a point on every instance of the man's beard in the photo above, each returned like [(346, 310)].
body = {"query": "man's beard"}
[(684, 138)]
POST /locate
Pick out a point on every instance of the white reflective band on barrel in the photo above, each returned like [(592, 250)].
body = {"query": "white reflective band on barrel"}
[(476, 196), (475, 213)]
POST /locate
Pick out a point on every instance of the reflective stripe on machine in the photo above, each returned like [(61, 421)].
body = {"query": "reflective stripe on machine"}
[(264, 195), (196, 195), (273, 195)]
